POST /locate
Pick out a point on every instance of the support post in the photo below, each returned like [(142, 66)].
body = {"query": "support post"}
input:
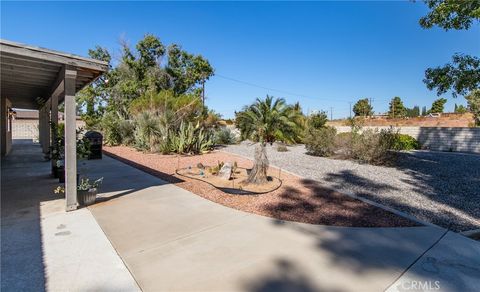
[(47, 141), (54, 119), (44, 133), (40, 126), (70, 141)]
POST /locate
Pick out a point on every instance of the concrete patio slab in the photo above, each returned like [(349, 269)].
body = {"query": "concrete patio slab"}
[(43, 248), (451, 265), (173, 240)]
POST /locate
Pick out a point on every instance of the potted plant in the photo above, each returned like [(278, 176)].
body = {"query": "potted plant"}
[(60, 164), (86, 191)]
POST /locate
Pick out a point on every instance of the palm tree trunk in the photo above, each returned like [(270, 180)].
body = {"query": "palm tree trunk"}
[(258, 175)]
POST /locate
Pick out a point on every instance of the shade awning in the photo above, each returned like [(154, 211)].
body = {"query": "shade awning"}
[(29, 74)]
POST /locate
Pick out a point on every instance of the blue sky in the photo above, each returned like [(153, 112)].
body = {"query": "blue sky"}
[(323, 54)]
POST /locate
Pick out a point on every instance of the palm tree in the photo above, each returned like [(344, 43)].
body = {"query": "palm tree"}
[(266, 121)]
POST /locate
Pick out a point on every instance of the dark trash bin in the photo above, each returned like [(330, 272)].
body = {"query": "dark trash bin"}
[(95, 140)]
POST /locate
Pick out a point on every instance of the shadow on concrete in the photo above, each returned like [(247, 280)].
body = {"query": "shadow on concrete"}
[(437, 254), (285, 277), (26, 183)]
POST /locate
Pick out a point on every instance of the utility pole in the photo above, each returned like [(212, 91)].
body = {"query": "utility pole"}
[(370, 101), (331, 113), (350, 109)]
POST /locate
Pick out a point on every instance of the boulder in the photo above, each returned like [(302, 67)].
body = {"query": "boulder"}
[(226, 171)]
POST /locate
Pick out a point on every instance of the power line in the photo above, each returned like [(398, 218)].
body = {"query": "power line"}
[(273, 89)]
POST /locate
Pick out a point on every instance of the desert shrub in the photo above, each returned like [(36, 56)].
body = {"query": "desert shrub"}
[(282, 147), (126, 129), (343, 144), (320, 142), (405, 142), (111, 134), (225, 136), (373, 146)]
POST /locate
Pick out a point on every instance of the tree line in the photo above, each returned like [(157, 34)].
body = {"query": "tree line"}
[(396, 109)]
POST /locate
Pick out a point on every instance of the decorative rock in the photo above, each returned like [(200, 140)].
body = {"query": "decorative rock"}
[(226, 171)]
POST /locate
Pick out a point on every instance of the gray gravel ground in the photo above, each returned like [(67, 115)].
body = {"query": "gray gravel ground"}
[(438, 187)]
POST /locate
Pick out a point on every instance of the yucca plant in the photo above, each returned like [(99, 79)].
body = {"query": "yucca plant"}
[(146, 131)]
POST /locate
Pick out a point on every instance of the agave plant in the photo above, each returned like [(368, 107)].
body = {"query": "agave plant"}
[(190, 139)]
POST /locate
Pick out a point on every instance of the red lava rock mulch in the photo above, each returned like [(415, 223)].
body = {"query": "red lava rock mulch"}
[(298, 199)]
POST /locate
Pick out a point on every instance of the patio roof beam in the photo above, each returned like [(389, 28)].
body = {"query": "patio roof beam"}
[(35, 53)]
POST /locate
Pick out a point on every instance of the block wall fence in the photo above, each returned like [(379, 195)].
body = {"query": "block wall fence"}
[(438, 138), (28, 129)]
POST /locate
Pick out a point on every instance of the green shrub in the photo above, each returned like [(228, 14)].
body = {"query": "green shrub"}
[(126, 129), (343, 144), (111, 133), (372, 146), (317, 120), (320, 142), (405, 142), (225, 136)]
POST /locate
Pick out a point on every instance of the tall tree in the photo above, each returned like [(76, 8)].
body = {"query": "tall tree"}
[(396, 108), (460, 109), (473, 100), (461, 76), (413, 112), (451, 14), (93, 97), (266, 121), (424, 110), (187, 70), (362, 108), (438, 105)]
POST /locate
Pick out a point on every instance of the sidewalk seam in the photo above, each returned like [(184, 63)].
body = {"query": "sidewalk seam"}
[(417, 259)]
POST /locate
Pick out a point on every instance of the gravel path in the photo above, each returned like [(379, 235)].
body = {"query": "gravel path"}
[(438, 187)]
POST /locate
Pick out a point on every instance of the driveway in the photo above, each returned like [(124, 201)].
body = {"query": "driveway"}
[(173, 240)]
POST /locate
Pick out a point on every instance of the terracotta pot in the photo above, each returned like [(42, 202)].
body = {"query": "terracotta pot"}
[(86, 198)]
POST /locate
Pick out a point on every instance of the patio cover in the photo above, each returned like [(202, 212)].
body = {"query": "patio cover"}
[(38, 78)]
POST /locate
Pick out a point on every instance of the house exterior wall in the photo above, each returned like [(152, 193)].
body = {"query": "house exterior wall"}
[(436, 138), (6, 127), (28, 129)]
